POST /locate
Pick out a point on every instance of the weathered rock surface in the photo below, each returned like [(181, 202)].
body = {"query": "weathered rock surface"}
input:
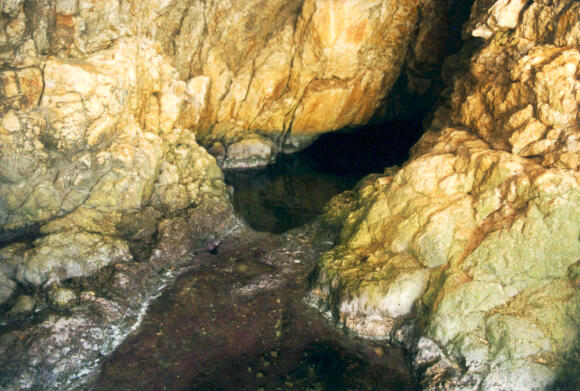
[(284, 70), (280, 68), (93, 163), (99, 105), (59, 335), (469, 254)]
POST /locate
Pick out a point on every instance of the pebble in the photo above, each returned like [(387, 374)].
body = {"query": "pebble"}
[(24, 304)]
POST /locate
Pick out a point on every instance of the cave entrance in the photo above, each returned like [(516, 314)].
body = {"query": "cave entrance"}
[(295, 189)]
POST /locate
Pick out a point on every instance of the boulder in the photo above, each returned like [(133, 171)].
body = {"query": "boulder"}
[(476, 239)]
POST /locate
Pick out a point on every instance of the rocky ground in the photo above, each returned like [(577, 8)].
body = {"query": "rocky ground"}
[(237, 321), (55, 336)]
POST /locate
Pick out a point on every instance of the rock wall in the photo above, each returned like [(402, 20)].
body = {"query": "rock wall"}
[(103, 186), (268, 74), (469, 254), (94, 167), (92, 92)]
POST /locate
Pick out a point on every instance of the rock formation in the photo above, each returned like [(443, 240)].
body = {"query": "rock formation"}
[(266, 74), (103, 186), (469, 254)]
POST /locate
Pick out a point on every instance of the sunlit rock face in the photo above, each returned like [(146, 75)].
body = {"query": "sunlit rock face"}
[(90, 126), (469, 254), (276, 72)]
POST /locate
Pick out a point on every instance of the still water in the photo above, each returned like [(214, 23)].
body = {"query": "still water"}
[(295, 189), (236, 322)]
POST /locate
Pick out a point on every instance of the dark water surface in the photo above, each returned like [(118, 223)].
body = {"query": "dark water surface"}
[(295, 189), (237, 322)]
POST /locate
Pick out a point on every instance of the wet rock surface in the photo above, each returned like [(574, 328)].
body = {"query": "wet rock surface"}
[(237, 321), (55, 335), (467, 254)]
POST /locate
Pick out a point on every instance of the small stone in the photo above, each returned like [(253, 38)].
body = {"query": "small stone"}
[(61, 297), (7, 287), (24, 305)]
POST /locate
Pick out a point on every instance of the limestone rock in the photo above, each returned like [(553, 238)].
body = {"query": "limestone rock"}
[(521, 91), (189, 176), (61, 297), (85, 127), (276, 67), (284, 66), (7, 287), (488, 207), (92, 157), (66, 255), (249, 152), (23, 305), (86, 144), (457, 236)]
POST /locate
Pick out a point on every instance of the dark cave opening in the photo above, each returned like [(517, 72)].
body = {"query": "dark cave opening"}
[(295, 189)]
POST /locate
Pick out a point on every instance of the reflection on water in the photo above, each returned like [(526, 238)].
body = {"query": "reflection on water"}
[(294, 190), (236, 321), (285, 195)]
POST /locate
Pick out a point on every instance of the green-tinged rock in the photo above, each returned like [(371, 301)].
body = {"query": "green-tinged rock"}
[(518, 375), (188, 175), (61, 297), (490, 242), (370, 292), (60, 256), (555, 309), (462, 308), (541, 242), (513, 337), (140, 225), (7, 287), (23, 305)]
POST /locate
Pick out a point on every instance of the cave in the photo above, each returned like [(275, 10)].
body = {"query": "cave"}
[(290, 195), (294, 189)]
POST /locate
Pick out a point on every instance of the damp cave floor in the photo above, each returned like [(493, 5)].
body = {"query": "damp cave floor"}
[(236, 321)]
